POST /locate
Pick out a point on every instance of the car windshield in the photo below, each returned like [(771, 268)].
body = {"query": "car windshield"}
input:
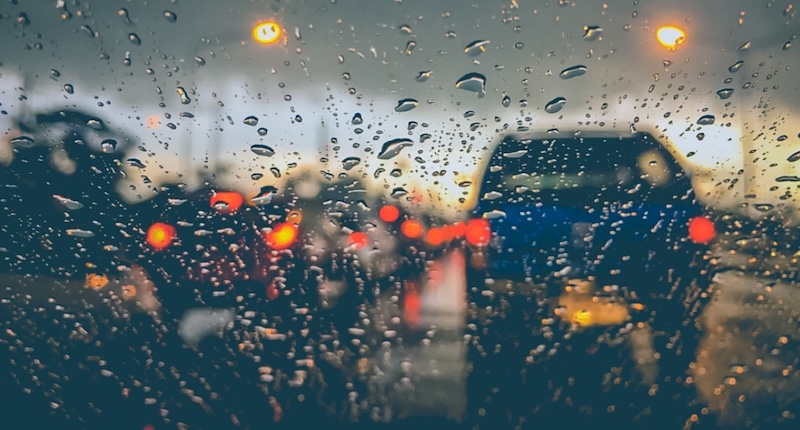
[(397, 213)]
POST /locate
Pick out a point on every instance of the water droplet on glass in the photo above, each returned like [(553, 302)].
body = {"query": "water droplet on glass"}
[(298, 118), (764, 207), (736, 66), (95, 124), (135, 162), (357, 120), (424, 136), (423, 76), (68, 203), (782, 137), (393, 147), (396, 173), (256, 176), (134, 38), (410, 47), (787, 45), (177, 202), (262, 131), (592, 32), (406, 105), (793, 178), (265, 195), (474, 126), (555, 105), (184, 96), (506, 102), (706, 120), (794, 157), (69, 88), (108, 145), (264, 150), (398, 192), (22, 19), (22, 142), (474, 82), (275, 172), (725, 93), (451, 34), (412, 125), (571, 72), (80, 233), (519, 45), (200, 61), (405, 29), (476, 48), (123, 13), (350, 162), (745, 46), (251, 120), (170, 16)]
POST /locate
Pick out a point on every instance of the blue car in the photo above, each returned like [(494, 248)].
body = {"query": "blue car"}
[(586, 233)]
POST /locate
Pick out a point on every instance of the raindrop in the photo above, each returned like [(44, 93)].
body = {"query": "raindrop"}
[(725, 93), (256, 176), (22, 142), (555, 105), (275, 172), (519, 45), (764, 207), (424, 136), (123, 13), (398, 192), (170, 16), (405, 29), (787, 45), (451, 34), (251, 121), (80, 233), (782, 137), (406, 105), (200, 61), (423, 76), (476, 48), (706, 120), (22, 19), (55, 74), (410, 47), (571, 72), (787, 179), (265, 195), (262, 150), (357, 120), (134, 38), (396, 173), (262, 131), (592, 32), (135, 162), (68, 203), (474, 82), (108, 145), (393, 147), (95, 124), (794, 157), (736, 66), (506, 101), (298, 118), (69, 88), (184, 96), (350, 162), (412, 125), (745, 46)]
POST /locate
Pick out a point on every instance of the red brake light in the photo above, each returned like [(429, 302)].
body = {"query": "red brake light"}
[(459, 230), (411, 229), (389, 213), (478, 232), (160, 235), (359, 239), (435, 236), (282, 236), (701, 230), (232, 199)]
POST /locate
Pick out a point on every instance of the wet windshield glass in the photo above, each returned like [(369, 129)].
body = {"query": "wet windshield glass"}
[(490, 214)]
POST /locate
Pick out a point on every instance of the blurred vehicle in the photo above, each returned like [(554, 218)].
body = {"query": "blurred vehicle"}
[(586, 236)]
